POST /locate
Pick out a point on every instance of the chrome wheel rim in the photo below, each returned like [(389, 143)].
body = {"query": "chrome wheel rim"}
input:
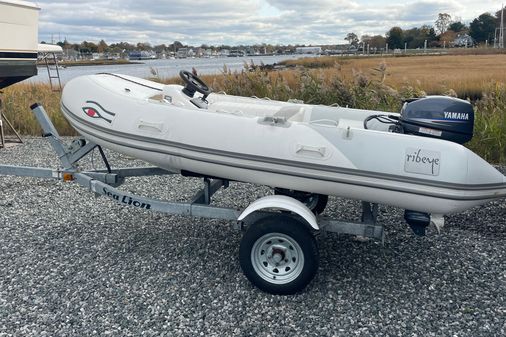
[(277, 258)]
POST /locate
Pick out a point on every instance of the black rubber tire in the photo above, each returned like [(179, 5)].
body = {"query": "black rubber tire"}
[(316, 208), (320, 204), (297, 231)]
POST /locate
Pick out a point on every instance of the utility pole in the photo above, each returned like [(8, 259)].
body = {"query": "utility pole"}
[(501, 30)]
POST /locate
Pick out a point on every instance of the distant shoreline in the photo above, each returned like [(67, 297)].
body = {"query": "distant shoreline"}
[(92, 63)]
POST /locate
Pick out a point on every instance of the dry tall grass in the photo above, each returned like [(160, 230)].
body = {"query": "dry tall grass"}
[(467, 75), (16, 106), (365, 84)]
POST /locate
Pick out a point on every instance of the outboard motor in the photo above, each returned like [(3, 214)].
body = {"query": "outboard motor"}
[(441, 117), (438, 117)]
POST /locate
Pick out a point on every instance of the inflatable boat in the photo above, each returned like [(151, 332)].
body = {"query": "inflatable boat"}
[(413, 159)]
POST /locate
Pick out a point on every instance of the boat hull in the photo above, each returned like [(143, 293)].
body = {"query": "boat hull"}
[(243, 149), (18, 41)]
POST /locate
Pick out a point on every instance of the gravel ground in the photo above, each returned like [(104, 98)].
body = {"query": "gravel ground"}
[(75, 265)]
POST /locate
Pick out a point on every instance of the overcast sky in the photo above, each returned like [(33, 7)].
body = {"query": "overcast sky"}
[(234, 22)]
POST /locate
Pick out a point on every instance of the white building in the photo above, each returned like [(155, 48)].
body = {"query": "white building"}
[(463, 40), (308, 50)]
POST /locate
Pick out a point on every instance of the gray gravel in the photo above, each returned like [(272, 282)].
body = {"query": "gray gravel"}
[(75, 265)]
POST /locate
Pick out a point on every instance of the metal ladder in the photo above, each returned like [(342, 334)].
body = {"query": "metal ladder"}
[(53, 74)]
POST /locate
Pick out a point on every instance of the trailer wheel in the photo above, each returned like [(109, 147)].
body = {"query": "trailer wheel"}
[(314, 201), (279, 255)]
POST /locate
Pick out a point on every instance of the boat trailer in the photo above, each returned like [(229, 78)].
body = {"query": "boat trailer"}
[(278, 251)]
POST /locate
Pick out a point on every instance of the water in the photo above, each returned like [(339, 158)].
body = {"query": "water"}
[(164, 68)]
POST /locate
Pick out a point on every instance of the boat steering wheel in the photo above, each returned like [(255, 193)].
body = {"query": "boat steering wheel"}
[(193, 84)]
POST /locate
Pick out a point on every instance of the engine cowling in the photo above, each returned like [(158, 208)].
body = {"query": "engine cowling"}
[(439, 117)]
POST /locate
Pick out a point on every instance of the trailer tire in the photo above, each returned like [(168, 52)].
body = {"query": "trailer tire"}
[(279, 254)]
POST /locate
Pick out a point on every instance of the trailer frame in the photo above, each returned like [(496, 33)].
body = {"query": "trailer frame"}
[(105, 182)]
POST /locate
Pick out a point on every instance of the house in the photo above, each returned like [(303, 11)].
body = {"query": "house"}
[(463, 40)]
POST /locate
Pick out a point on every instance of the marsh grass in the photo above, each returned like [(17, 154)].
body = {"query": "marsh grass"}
[(490, 125), (362, 88), (17, 100), (466, 74)]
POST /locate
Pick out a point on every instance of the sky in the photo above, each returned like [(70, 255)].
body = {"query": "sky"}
[(235, 22)]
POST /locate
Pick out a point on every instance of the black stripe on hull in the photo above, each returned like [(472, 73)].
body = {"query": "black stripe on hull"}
[(17, 55), (16, 71)]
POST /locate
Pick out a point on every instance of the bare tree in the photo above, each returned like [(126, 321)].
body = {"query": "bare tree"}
[(443, 21)]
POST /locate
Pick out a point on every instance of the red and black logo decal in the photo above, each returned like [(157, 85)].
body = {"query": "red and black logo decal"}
[(95, 110)]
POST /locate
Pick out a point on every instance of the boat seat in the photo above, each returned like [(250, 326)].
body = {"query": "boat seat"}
[(292, 113), (289, 112), (243, 108)]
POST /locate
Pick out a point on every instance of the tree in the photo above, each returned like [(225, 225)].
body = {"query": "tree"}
[(483, 28), (442, 22), (395, 37), (160, 48), (447, 38), (457, 27), (144, 46), (352, 39), (88, 47), (102, 46), (377, 41), (175, 46), (121, 47)]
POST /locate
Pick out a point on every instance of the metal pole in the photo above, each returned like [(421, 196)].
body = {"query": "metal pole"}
[(12, 128), (2, 138), (3, 120), (501, 32)]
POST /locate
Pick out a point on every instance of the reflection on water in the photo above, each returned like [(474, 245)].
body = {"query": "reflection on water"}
[(163, 68)]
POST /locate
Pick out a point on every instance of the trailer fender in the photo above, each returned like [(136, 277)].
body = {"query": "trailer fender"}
[(284, 203)]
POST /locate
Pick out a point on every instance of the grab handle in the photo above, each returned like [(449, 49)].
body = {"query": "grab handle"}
[(313, 149)]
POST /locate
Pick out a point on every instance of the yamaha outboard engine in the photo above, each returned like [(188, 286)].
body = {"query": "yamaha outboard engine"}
[(441, 117)]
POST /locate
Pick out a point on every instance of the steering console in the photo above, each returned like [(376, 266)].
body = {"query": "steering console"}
[(194, 84)]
